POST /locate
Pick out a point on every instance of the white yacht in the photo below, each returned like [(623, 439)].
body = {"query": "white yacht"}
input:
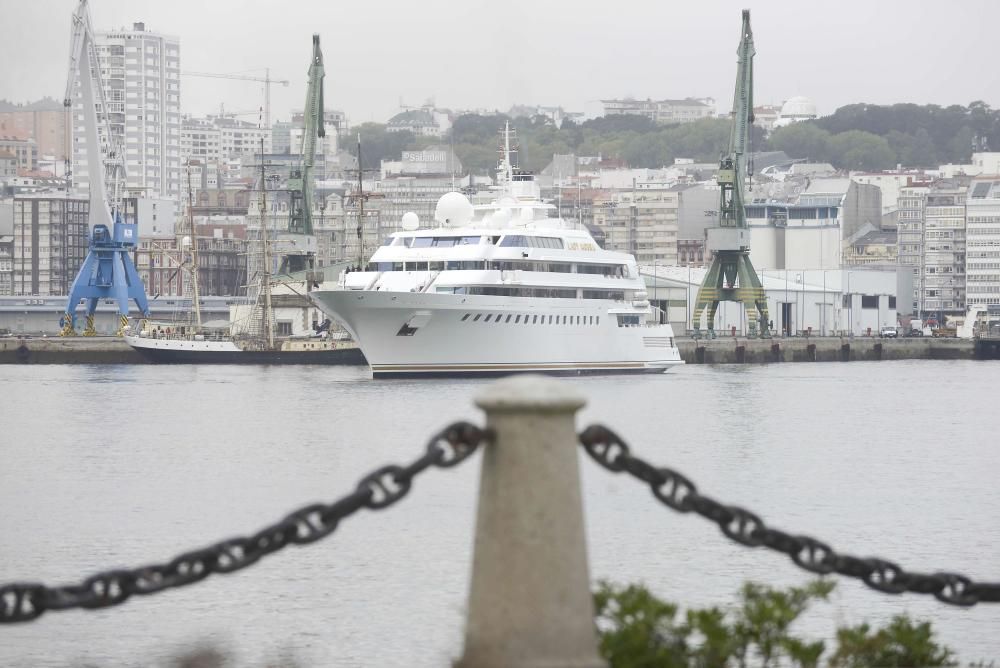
[(499, 288)]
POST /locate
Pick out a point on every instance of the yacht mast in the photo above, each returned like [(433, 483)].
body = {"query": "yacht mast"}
[(361, 209)]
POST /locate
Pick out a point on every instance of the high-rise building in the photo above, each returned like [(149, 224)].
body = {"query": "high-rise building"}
[(910, 238), (982, 242), (140, 73), (50, 242), (943, 282)]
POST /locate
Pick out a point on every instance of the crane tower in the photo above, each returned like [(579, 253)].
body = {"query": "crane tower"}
[(108, 270), (731, 276)]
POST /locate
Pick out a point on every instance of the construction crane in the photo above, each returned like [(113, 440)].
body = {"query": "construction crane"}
[(266, 80), (108, 270), (299, 244), (731, 276)]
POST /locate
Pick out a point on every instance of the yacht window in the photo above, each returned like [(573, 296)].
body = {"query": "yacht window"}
[(469, 241), (387, 242), (550, 319), (421, 242), (466, 317), (397, 266), (517, 320), (478, 316), (382, 266), (598, 320), (453, 265), (494, 240), (564, 320), (417, 266), (545, 242), (435, 266), (535, 320), (514, 240), (488, 316), (601, 269), (499, 318), (508, 318), (591, 320)]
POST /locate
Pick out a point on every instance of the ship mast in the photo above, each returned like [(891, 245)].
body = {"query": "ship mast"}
[(193, 238), (731, 276), (267, 321)]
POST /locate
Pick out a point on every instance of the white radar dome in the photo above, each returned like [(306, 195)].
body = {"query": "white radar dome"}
[(453, 210), (185, 242), (410, 221)]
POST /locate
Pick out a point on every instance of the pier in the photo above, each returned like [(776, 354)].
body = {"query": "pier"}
[(723, 350)]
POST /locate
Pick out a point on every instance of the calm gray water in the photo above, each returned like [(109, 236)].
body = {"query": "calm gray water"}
[(126, 465)]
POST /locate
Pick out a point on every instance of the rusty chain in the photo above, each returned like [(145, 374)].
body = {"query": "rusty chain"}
[(21, 602), (680, 494)]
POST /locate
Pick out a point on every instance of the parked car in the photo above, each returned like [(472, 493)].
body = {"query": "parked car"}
[(888, 333)]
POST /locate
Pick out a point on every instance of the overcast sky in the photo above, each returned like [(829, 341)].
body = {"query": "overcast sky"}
[(492, 54)]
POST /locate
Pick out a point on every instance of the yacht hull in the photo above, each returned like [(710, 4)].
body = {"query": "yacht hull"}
[(172, 351), (431, 335)]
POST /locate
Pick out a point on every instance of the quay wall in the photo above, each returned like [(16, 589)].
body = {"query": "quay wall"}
[(726, 350), (740, 350), (70, 350)]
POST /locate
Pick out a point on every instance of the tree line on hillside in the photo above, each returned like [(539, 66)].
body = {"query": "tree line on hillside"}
[(858, 136)]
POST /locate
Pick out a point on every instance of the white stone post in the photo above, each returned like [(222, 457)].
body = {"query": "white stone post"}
[(530, 603)]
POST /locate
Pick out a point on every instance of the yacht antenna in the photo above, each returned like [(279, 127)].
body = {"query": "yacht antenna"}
[(361, 208)]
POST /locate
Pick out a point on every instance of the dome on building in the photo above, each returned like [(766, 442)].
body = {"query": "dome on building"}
[(798, 108)]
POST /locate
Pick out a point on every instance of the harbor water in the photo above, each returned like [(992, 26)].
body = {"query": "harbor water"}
[(125, 465)]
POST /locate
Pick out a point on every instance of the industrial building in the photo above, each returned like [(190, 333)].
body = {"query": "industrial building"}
[(836, 302)]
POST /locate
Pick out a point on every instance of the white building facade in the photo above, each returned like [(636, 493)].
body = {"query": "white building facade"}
[(982, 241), (140, 73), (840, 302)]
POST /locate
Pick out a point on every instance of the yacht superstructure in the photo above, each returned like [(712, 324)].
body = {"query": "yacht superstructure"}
[(499, 288)]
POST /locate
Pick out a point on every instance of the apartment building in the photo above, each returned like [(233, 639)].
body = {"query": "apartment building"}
[(982, 242), (140, 73), (942, 283), (910, 236), (50, 243), (640, 222), (217, 138), (662, 111)]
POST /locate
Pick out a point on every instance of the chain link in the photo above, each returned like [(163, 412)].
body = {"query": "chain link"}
[(21, 602), (744, 527)]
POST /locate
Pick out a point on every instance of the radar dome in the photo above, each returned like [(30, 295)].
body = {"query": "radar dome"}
[(186, 241), (453, 210), (410, 221)]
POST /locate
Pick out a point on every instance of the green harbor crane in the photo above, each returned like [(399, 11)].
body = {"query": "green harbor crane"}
[(731, 276), (299, 243)]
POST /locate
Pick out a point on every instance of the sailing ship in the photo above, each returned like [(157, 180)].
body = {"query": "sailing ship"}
[(247, 340)]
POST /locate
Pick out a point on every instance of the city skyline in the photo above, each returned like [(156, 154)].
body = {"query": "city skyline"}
[(464, 59)]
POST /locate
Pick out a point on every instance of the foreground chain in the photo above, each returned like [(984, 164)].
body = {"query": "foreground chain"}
[(746, 528), (21, 602)]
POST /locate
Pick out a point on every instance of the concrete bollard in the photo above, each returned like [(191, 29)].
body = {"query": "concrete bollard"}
[(529, 601)]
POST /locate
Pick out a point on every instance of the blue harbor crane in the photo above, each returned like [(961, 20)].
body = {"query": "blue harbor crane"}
[(108, 271), (731, 276)]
